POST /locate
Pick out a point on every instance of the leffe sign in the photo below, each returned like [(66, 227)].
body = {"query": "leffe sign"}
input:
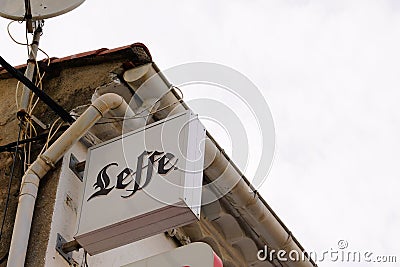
[(130, 180), (142, 183)]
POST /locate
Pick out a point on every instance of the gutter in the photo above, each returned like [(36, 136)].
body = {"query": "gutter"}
[(221, 170)]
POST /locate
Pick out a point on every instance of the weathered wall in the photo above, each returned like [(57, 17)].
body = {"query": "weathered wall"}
[(8, 119), (5, 166), (69, 87)]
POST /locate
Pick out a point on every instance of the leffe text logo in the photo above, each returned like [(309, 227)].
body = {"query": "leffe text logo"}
[(131, 181)]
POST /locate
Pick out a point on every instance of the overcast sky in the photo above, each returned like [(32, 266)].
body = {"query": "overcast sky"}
[(330, 73)]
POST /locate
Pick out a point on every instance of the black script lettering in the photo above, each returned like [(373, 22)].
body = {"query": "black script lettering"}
[(139, 168), (127, 175), (103, 181), (162, 163), (122, 177)]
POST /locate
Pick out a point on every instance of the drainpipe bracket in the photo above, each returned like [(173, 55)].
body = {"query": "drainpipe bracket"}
[(41, 166), (48, 161)]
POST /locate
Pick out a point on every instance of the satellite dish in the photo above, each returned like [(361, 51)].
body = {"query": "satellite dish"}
[(40, 9)]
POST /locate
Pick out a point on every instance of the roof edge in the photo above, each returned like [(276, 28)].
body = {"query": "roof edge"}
[(131, 50)]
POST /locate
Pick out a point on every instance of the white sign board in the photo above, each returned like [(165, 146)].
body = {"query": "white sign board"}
[(192, 255), (142, 183)]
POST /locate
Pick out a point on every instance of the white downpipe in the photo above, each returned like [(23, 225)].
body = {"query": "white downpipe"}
[(45, 162), (224, 175)]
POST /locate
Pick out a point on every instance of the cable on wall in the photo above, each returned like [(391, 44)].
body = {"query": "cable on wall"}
[(60, 111)]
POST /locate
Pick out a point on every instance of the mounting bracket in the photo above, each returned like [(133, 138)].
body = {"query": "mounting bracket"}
[(76, 166), (67, 256)]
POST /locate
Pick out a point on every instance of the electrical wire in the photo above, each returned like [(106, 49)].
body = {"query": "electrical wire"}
[(27, 40), (10, 147), (31, 107), (26, 126), (120, 119), (39, 77), (16, 94), (85, 263), (51, 135), (43, 96), (10, 180), (4, 258), (12, 38), (38, 84), (138, 115), (29, 130)]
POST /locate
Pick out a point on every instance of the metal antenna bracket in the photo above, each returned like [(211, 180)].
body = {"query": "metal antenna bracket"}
[(28, 16)]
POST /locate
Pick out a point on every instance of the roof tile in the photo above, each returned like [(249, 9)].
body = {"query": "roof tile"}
[(93, 53)]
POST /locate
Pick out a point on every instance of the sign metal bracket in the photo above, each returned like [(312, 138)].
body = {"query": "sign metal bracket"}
[(66, 255), (76, 166)]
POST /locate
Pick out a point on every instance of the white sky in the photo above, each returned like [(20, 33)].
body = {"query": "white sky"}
[(330, 73)]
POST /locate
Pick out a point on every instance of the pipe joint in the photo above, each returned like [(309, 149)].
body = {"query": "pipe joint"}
[(107, 102), (41, 166), (29, 190), (31, 178), (48, 161), (30, 185)]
